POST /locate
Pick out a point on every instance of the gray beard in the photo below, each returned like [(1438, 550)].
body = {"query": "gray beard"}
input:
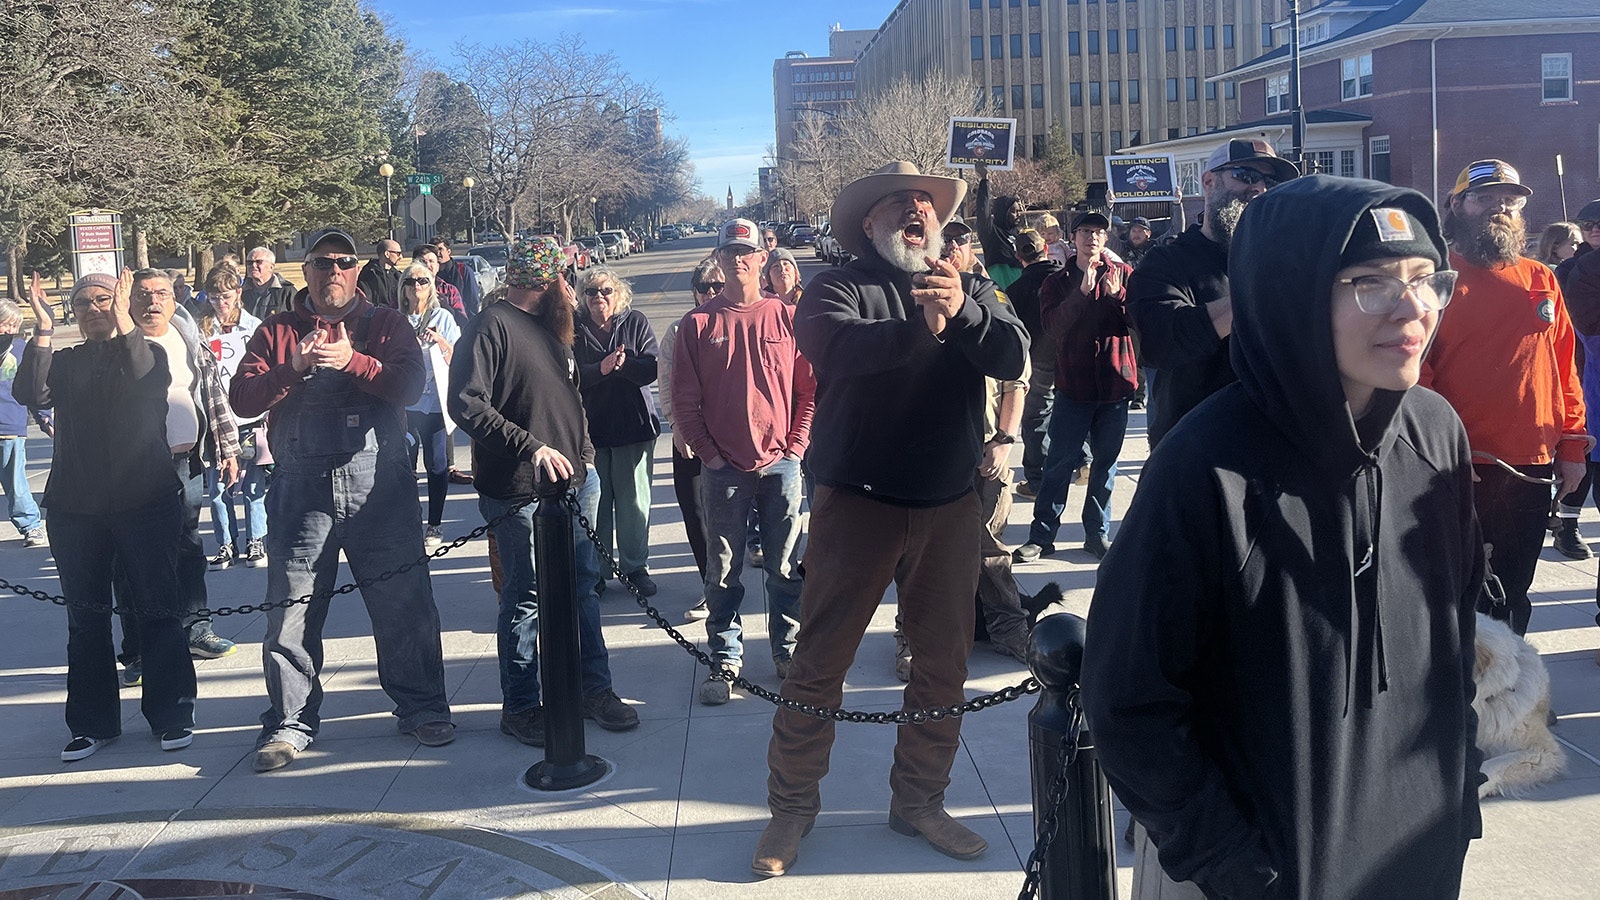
[(896, 253), (1224, 219)]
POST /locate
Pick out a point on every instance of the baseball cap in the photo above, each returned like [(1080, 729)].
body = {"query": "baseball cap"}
[(957, 228), (330, 236), (1141, 221), (1030, 244), (739, 233), (1253, 150), (1090, 218), (1589, 213), (1489, 172)]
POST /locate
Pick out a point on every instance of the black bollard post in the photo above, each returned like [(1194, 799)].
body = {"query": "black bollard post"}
[(566, 764), (1081, 861)]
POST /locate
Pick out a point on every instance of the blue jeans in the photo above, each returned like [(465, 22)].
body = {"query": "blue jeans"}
[(518, 626), (726, 497), (252, 488), (1071, 424), (365, 506), (14, 480), (144, 542)]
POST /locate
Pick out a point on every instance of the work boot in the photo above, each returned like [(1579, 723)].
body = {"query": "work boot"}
[(902, 654), (947, 836), (1013, 644), (1569, 542), (779, 846)]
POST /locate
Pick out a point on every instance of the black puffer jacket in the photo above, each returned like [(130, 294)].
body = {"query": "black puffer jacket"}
[(1167, 296)]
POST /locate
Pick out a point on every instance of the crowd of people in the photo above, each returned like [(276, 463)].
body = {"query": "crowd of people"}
[(1288, 607)]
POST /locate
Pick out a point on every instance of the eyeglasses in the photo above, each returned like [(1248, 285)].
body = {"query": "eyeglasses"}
[(146, 294), (411, 281), (737, 251), (1502, 199), (599, 292), (256, 262), (1251, 176), (100, 302), (326, 263), (1378, 295), (710, 287)]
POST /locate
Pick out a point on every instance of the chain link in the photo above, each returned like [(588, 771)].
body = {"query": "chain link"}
[(1067, 751), (719, 671), (269, 605)]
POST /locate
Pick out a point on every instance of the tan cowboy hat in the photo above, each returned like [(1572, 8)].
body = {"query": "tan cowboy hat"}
[(859, 196)]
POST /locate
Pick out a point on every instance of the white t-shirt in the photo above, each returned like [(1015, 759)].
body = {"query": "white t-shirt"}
[(183, 420)]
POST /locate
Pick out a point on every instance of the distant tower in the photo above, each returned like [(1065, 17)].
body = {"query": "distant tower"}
[(730, 198)]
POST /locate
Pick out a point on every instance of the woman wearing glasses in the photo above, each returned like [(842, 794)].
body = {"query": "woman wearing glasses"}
[(431, 430), (706, 283), (616, 351), (227, 328), (1281, 642)]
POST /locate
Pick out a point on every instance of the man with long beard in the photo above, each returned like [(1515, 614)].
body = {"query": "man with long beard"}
[(1504, 360), (514, 389), (900, 341), (1178, 296)]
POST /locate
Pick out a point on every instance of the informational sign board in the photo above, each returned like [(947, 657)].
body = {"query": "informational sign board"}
[(424, 178), (976, 140), (1137, 179), (96, 242)]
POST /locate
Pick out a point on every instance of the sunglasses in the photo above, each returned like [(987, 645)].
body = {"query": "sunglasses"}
[(326, 263), (1251, 176), (416, 281), (710, 287), (599, 292), (1378, 295), (256, 262)]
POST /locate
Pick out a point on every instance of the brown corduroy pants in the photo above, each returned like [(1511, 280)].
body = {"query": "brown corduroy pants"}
[(856, 545)]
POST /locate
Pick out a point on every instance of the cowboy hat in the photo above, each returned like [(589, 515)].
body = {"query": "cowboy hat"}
[(859, 196)]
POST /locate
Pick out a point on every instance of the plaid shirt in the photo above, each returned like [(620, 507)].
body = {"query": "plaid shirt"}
[(1092, 332), (220, 420)]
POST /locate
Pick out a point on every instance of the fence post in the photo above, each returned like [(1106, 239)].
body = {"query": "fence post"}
[(1081, 862), (566, 764)]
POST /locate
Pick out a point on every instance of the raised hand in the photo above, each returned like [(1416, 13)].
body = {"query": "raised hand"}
[(119, 303), (939, 293), (44, 319)]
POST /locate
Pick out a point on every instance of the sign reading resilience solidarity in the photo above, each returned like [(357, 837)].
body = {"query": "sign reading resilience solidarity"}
[(987, 141), (1137, 178)]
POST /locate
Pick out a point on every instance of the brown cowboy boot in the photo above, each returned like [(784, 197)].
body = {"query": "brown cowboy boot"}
[(779, 846), (945, 834)]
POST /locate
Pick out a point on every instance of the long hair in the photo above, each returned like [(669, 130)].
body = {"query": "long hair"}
[(1556, 234), (429, 297), (220, 279), (623, 298)]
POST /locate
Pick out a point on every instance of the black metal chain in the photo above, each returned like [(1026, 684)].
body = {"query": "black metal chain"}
[(268, 605), (723, 673), (1068, 752)]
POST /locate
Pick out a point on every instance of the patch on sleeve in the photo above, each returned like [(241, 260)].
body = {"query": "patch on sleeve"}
[(1001, 296), (1393, 224)]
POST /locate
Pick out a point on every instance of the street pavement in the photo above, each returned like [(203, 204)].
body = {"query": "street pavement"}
[(367, 812)]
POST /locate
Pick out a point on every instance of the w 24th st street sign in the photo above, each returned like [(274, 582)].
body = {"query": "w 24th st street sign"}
[(429, 178)]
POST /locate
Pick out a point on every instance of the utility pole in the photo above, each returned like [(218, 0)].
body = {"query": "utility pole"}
[(1297, 113)]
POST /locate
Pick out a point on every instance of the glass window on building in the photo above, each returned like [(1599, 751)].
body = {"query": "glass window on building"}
[(1133, 40), (1094, 93), (1133, 90), (1077, 144), (1113, 41), (1211, 90), (977, 46), (1347, 164), (1188, 37), (1016, 96), (1211, 37), (998, 97), (1075, 93), (1116, 141), (1355, 77), (1189, 177), (1036, 96), (1038, 139), (1094, 42), (1016, 46), (1378, 158), (974, 4), (1228, 89), (1172, 40), (1191, 88), (1227, 37), (997, 46), (1321, 162), (1014, 3), (1172, 90), (1114, 92), (1035, 45), (1097, 144), (1277, 93), (1266, 37), (1172, 134), (1074, 47)]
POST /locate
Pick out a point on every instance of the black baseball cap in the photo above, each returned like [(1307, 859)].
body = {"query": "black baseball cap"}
[(1254, 150), (330, 236), (1090, 218)]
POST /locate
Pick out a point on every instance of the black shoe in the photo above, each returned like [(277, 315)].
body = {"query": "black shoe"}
[(1097, 545), (609, 712), (526, 726), (133, 672), (1027, 489), (224, 558), (1570, 543), (177, 738), (1030, 552), (83, 747), (641, 582)]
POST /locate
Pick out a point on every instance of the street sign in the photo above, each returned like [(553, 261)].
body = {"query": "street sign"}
[(425, 189), (424, 178), (423, 210)]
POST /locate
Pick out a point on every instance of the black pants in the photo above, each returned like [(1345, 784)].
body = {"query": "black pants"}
[(684, 472), (1514, 515), (191, 569)]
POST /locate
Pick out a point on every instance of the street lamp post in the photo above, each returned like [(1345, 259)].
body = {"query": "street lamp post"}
[(387, 171), (595, 201), (472, 219)]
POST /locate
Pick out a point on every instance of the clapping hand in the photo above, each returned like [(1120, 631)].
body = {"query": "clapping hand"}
[(939, 293), (612, 361), (44, 319)]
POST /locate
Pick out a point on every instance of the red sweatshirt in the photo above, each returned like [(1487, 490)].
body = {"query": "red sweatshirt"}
[(1503, 357), (740, 388)]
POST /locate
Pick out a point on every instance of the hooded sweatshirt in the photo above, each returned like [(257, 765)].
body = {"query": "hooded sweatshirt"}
[(1278, 670)]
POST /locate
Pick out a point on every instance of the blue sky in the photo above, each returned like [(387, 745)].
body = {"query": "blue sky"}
[(710, 59)]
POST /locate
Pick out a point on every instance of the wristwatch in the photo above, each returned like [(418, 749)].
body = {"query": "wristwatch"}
[(1000, 437)]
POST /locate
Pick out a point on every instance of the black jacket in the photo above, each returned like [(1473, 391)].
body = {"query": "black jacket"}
[(618, 405), (1166, 297), (380, 282), (262, 301), (514, 389), (899, 411), (1024, 295), (1278, 670)]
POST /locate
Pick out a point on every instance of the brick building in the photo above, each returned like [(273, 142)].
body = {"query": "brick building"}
[(1409, 92)]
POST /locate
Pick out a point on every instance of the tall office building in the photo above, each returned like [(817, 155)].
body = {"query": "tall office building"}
[(1111, 74), (806, 85)]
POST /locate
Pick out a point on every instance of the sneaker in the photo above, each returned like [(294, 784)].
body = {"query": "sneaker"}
[(1028, 489), (697, 612), (133, 673), (209, 646), (1097, 545), (274, 755), (527, 727), (433, 537), (177, 738), (255, 555), (641, 582), (714, 691), (609, 712), (1030, 552), (459, 477), (224, 558), (782, 665), (35, 537), (434, 734), (82, 747)]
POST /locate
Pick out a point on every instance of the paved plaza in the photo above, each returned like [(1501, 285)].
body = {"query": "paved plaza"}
[(367, 812)]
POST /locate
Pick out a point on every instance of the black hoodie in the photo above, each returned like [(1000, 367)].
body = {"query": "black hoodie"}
[(1279, 663)]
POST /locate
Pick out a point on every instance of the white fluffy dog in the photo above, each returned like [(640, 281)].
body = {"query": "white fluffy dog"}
[(1512, 704)]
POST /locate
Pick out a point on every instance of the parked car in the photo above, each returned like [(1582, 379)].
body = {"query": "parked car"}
[(616, 237), (669, 232), (488, 262), (802, 236), (594, 247), (825, 243)]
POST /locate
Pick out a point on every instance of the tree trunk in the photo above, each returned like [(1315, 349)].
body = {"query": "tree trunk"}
[(141, 248)]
